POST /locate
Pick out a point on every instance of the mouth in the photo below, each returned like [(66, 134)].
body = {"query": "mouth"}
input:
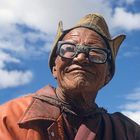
[(79, 69)]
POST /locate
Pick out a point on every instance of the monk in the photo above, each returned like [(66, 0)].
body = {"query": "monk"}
[(82, 61)]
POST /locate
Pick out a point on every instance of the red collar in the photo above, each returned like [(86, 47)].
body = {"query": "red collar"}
[(39, 110)]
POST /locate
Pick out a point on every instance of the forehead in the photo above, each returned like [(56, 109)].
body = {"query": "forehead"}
[(83, 35)]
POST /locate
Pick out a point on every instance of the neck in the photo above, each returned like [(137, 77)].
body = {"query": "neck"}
[(80, 102)]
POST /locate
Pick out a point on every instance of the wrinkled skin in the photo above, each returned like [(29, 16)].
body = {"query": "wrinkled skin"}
[(79, 80)]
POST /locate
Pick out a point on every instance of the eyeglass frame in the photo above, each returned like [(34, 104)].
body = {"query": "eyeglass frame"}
[(84, 49)]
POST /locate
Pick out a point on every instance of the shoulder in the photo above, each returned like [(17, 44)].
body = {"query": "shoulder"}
[(127, 124), (10, 113), (123, 118), (15, 107)]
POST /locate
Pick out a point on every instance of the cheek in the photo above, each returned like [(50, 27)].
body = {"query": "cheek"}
[(62, 62), (102, 72), (60, 66)]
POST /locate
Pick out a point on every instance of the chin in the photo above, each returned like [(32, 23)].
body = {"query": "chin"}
[(76, 84)]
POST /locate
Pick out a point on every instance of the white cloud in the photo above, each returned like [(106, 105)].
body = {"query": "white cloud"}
[(126, 2), (2, 65), (134, 115), (5, 57), (33, 37), (129, 1), (14, 78), (45, 14), (131, 53), (135, 95), (132, 107), (11, 50), (125, 20), (11, 38), (14, 39)]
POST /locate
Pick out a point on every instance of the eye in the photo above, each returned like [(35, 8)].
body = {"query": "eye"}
[(67, 50), (98, 56)]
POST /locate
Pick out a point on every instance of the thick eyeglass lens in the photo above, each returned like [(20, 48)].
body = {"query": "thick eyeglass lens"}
[(97, 56), (67, 50)]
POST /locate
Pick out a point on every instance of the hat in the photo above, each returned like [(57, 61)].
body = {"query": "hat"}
[(98, 24)]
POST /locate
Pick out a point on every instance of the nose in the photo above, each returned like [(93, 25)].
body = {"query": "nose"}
[(81, 58)]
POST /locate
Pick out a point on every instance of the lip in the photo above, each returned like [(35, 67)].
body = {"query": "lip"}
[(78, 68)]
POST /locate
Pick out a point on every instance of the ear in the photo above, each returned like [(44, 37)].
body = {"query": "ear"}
[(54, 72)]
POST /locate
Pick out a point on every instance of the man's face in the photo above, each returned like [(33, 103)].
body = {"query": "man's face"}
[(79, 74)]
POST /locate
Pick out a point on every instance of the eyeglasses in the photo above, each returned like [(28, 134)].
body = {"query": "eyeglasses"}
[(95, 54)]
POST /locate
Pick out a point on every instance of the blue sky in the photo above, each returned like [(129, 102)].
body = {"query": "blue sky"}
[(27, 30)]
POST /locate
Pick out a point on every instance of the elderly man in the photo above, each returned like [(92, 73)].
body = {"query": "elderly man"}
[(82, 61)]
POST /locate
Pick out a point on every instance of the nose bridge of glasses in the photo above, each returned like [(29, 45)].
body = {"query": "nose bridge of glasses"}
[(82, 49), (81, 53)]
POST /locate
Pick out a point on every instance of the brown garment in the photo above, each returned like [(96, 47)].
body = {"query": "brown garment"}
[(30, 118)]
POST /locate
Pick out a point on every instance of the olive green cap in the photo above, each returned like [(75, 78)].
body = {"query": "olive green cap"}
[(96, 23)]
